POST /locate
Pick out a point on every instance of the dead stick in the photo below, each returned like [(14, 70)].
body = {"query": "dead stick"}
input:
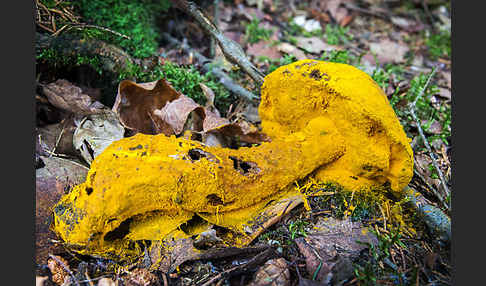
[(231, 50), (224, 79), (212, 48), (260, 258), (426, 142)]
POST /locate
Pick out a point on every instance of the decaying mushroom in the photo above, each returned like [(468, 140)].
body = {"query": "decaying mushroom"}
[(323, 117)]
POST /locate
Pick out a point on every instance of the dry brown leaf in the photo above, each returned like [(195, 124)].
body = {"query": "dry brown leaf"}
[(274, 272), (52, 180), (333, 242), (388, 51), (175, 113), (68, 97), (444, 93), (315, 45), (312, 260), (264, 48), (291, 50), (447, 77), (168, 255), (407, 24), (57, 138), (58, 266), (136, 102), (434, 128), (106, 282), (337, 13), (142, 277)]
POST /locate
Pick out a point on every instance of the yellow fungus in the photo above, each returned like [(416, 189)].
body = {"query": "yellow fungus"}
[(325, 119)]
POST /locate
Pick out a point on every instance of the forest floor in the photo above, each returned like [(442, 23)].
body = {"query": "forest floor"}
[(405, 46)]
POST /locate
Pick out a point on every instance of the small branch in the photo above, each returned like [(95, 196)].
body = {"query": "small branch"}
[(87, 26), (442, 198), (231, 49), (212, 48), (354, 7), (260, 258), (224, 79), (435, 219)]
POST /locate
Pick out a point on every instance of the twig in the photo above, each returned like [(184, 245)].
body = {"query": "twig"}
[(231, 49), (84, 26), (224, 79), (432, 189), (58, 138), (442, 198), (351, 6), (435, 219), (65, 268), (255, 261), (212, 47)]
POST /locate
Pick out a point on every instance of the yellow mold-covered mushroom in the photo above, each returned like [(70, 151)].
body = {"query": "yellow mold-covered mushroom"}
[(323, 117), (146, 186), (377, 148)]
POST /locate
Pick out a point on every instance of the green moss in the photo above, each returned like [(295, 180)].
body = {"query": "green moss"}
[(254, 33), (135, 19), (57, 60), (342, 56), (274, 64), (336, 35), (439, 44), (383, 75)]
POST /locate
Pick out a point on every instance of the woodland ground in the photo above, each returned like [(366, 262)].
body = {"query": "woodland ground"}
[(404, 45)]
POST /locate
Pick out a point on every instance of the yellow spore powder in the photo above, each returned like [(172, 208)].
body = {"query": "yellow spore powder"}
[(324, 117)]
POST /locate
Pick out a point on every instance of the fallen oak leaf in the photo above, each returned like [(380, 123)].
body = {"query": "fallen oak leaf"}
[(136, 102), (68, 97), (175, 113), (156, 107)]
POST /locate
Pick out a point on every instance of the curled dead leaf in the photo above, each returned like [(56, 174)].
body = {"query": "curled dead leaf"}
[(68, 97), (136, 102), (142, 277), (58, 267), (274, 272), (156, 107), (56, 138), (388, 51), (95, 132), (333, 244)]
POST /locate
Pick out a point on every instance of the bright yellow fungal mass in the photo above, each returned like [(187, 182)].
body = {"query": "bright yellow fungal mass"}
[(324, 117), (377, 149)]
